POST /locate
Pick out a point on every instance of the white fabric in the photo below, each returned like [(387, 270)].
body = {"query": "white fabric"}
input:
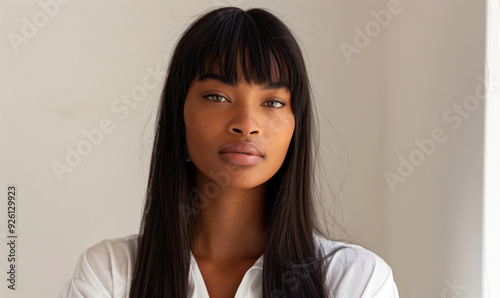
[(105, 270)]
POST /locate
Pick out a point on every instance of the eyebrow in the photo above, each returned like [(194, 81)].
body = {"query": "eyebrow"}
[(269, 86)]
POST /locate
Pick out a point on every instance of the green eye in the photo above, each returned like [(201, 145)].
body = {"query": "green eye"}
[(219, 97), (276, 102)]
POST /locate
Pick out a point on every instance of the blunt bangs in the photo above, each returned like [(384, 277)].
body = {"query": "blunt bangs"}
[(253, 40)]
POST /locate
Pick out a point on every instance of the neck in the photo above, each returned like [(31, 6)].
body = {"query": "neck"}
[(231, 224)]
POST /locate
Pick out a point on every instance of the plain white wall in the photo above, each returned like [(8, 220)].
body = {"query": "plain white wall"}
[(372, 106), (434, 57)]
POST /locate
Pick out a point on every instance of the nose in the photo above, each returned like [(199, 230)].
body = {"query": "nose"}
[(243, 132), (244, 121)]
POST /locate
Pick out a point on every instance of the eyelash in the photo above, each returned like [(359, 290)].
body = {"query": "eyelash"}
[(273, 100)]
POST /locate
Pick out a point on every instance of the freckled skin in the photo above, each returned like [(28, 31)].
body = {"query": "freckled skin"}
[(242, 114)]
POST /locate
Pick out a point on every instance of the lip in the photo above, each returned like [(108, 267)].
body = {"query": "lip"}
[(249, 148), (241, 153), (240, 159)]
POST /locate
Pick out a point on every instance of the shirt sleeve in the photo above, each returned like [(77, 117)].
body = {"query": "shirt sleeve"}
[(103, 270), (84, 282), (388, 289), (357, 272)]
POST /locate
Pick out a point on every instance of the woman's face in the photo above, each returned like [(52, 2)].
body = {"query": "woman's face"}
[(217, 114)]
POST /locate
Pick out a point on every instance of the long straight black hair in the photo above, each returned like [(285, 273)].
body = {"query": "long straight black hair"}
[(268, 53)]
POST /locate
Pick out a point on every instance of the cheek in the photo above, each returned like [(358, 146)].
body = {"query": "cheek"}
[(193, 117), (201, 130), (192, 123), (283, 129)]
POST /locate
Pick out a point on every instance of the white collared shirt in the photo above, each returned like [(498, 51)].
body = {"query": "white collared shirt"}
[(105, 270)]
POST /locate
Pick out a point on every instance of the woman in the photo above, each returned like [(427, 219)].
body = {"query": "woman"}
[(228, 209)]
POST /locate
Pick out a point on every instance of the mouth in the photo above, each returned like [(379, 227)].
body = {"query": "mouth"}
[(242, 147), (241, 158)]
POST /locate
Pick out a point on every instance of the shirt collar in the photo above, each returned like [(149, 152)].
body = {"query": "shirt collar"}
[(259, 264)]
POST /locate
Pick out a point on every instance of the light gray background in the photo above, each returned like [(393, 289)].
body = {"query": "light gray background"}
[(395, 90)]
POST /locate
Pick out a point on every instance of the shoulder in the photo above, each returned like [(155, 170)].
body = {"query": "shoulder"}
[(109, 253), (103, 270), (353, 271)]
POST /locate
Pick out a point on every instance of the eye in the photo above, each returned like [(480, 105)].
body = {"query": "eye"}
[(218, 97), (275, 103)]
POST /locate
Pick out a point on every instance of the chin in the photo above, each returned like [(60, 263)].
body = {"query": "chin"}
[(244, 183)]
